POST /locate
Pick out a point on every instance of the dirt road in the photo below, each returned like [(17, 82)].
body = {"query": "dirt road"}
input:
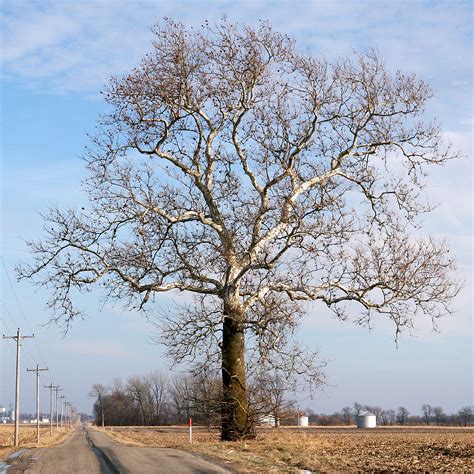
[(91, 452)]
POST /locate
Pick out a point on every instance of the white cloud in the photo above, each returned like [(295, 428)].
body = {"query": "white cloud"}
[(75, 45)]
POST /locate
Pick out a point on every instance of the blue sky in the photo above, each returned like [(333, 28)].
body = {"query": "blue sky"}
[(56, 56)]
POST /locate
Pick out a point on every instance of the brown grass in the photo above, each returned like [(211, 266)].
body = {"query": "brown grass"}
[(319, 449), (28, 438)]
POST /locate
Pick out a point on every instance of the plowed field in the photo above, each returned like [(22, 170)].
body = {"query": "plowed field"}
[(322, 449)]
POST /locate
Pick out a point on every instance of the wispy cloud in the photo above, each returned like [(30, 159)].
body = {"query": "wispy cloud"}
[(64, 46)]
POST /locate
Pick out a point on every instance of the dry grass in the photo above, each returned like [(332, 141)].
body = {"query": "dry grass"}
[(28, 438), (320, 449)]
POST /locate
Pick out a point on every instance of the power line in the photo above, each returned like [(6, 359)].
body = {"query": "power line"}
[(28, 354), (14, 294), (15, 322), (7, 311), (6, 325), (40, 354)]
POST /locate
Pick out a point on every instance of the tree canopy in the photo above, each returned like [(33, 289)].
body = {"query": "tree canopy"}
[(256, 177)]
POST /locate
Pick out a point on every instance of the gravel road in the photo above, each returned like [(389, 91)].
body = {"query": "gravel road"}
[(91, 452)]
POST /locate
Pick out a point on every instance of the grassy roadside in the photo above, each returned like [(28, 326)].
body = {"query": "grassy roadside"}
[(290, 450), (28, 438)]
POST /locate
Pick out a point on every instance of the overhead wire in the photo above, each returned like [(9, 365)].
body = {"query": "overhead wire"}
[(27, 353), (12, 331), (22, 313), (5, 324), (7, 311)]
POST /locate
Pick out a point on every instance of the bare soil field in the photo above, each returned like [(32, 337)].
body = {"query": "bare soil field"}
[(28, 437), (321, 449)]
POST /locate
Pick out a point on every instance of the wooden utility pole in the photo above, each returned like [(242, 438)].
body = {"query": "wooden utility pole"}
[(62, 397), (65, 414), (51, 388), (57, 389), (37, 371), (18, 339), (70, 414), (68, 406)]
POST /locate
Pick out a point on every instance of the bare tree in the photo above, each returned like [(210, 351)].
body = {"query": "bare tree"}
[(357, 409), (235, 168), (181, 390), (206, 397), (347, 415), (465, 414), (99, 391), (386, 417), (159, 400), (269, 397), (376, 410), (402, 415), (439, 415), (427, 411), (138, 391), (150, 393)]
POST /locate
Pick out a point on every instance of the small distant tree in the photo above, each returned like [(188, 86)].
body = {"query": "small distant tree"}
[(402, 415), (99, 391), (466, 415), (120, 405), (357, 409), (392, 416), (387, 417), (181, 397), (157, 387), (270, 395), (427, 411), (197, 396), (150, 393), (439, 415), (312, 415), (347, 415), (376, 410), (138, 391), (256, 177)]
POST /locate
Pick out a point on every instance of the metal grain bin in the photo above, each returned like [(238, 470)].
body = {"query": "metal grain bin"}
[(366, 420)]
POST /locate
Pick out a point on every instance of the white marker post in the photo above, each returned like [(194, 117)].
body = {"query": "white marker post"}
[(190, 431)]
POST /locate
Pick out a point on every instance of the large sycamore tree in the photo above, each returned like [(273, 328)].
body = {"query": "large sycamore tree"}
[(256, 177)]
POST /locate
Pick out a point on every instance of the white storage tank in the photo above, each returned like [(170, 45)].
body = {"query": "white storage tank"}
[(303, 420), (366, 420)]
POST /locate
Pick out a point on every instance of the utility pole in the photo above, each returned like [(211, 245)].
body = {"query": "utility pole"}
[(51, 388), (65, 413), (57, 389), (62, 397), (18, 339), (68, 409), (37, 370), (70, 413)]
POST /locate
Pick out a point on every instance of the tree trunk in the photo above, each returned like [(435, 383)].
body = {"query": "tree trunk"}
[(236, 423)]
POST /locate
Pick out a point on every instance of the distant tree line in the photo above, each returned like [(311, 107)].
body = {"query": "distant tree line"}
[(153, 399), (430, 416)]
